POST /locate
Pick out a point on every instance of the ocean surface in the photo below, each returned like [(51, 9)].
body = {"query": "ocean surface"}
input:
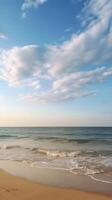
[(86, 151)]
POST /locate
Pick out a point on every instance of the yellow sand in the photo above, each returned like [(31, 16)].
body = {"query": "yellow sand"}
[(14, 188)]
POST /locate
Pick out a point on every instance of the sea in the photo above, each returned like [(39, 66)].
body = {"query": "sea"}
[(79, 150)]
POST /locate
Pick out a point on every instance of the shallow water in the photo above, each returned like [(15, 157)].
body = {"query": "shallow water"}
[(53, 177), (82, 151)]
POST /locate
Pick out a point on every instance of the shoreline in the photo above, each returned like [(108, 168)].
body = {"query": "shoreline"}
[(54, 177), (21, 188)]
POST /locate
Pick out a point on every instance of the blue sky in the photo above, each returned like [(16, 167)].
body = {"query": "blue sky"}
[(55, 63)]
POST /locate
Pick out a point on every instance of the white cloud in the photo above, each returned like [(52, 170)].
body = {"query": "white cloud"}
[(55, 97), (65, 67), (94, 45), (34, 84), (80, 79), (3, 36), (20, 64), (71, 86), (28, 4)]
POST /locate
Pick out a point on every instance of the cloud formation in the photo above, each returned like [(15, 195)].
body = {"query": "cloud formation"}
[(3, 36), (28, 4), (66, 66), (20, 65), (71, 86), (86, 47)]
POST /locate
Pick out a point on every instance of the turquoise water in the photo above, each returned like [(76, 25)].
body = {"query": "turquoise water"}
[(86, 151)]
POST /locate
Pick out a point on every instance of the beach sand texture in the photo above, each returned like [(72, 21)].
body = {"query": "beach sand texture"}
[(15, 188)]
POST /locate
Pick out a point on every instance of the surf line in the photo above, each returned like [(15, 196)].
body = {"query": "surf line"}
[(100, 180), (71, 171), (93, 178)]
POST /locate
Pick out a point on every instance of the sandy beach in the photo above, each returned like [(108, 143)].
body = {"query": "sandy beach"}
[(15, 188)]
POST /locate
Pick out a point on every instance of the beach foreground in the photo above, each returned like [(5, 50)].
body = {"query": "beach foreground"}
[(16, 188)]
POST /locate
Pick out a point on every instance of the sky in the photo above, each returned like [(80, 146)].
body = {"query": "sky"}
[(55, 63)]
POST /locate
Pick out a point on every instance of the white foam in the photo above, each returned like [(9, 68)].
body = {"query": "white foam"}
[(35, 164), (56, 153), (100, 180), (77, 162)]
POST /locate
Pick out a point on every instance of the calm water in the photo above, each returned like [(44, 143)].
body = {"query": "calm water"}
[(85, 151)]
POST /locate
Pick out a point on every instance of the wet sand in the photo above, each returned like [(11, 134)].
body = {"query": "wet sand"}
[(16, 188), (56, 178)]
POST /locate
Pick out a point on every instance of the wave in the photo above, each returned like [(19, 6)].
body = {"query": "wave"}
[(56, 153), (96, 141), (11, 146), (70, 153), (7, 136), (49, 138), (74, 140), (76, 162)]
